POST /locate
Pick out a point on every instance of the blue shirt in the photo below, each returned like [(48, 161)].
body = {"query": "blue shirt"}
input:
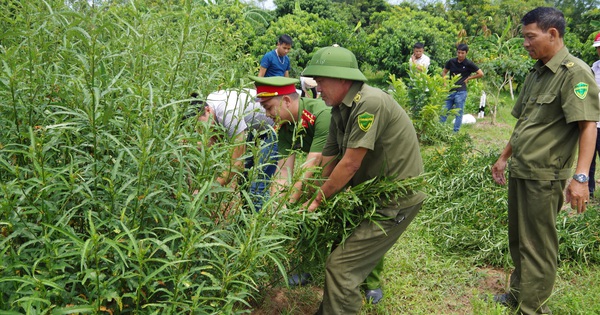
[(275, 65)]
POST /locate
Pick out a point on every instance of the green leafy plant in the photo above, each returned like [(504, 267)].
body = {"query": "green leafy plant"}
[(423, 98)]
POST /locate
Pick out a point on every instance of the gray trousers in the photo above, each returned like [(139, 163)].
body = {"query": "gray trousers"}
[(350, 263), (533, 241)]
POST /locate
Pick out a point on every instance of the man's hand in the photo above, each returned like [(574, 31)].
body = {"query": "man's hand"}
[(578, 195), (313, 206), (498, 172)]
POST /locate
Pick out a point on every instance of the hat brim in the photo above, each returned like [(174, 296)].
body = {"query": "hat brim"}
[(334, 72), (596, 44)]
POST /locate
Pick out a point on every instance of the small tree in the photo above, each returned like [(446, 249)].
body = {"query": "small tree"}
[(506, 61), (422, 98)]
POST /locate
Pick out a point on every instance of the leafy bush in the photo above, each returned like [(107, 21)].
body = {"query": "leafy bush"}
[(392, 34), (578, 236), (98, 171), (466, 212), (423, 98)]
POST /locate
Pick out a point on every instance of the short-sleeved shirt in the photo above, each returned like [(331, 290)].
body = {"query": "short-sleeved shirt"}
[(555, 97), (370, 118), (464, 69), (237, 111), (424, 62), (275, 65), (309, 133), (596, 70)]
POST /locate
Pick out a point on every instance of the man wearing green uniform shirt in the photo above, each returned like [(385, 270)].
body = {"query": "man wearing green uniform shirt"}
[(557, 109), (302, 124), (370, 136)]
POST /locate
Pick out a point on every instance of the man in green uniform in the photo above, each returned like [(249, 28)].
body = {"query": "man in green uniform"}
[(370, 136), (302, 123), (558, 106)]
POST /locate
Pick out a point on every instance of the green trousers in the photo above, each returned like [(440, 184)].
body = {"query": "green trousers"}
[(349, 264), (373, 280), (533, 241)]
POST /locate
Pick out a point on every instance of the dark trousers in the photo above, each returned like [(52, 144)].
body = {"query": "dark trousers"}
[(592, 181), (313, 90), (262, 166)]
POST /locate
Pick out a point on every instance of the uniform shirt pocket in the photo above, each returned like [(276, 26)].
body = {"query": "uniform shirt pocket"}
[(545, 108)]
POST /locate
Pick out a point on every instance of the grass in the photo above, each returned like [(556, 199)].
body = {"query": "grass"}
[(421, 279)]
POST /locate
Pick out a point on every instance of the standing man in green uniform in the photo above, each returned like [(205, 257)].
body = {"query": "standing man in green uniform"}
[(370, 136), (302, 124), (557, 107)]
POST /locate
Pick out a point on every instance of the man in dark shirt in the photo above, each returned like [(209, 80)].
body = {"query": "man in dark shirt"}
[(458, 95)]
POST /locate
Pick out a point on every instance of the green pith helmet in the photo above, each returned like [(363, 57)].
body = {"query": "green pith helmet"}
[(334, 62)]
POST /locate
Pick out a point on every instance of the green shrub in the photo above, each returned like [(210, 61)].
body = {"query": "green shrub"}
[(98, 173), (466, 213), (578, 236), (466, 210), (423, 97)]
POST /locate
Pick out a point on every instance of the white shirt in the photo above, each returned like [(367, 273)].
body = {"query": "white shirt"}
[(424, 61), (236, 110), (596, 69)]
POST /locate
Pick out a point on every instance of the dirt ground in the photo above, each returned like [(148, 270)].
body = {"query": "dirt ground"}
[(296, 301), (305, 300)]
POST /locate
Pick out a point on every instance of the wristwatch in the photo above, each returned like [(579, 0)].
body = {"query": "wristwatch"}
[(582, 178)]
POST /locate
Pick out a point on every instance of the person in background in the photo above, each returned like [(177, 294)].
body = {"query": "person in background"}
[(276, 62), (418, 59), (556, 112), (462, 67), (596, 70), (245, 122), (306, 84), (370, 136)]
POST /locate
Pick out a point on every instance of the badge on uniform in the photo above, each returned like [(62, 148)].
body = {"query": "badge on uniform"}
[(581, 90), (365, 121), (307, 119)]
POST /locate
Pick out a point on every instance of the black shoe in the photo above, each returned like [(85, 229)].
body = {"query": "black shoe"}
[(506, 299), (299, 279), (374, 296)]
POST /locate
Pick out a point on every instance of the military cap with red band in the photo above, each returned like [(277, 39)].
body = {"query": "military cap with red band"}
[(273, 86)]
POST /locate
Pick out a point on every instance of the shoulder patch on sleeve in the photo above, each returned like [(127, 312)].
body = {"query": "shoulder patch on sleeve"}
[(581, 90), (308, 118), (365, 121)]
